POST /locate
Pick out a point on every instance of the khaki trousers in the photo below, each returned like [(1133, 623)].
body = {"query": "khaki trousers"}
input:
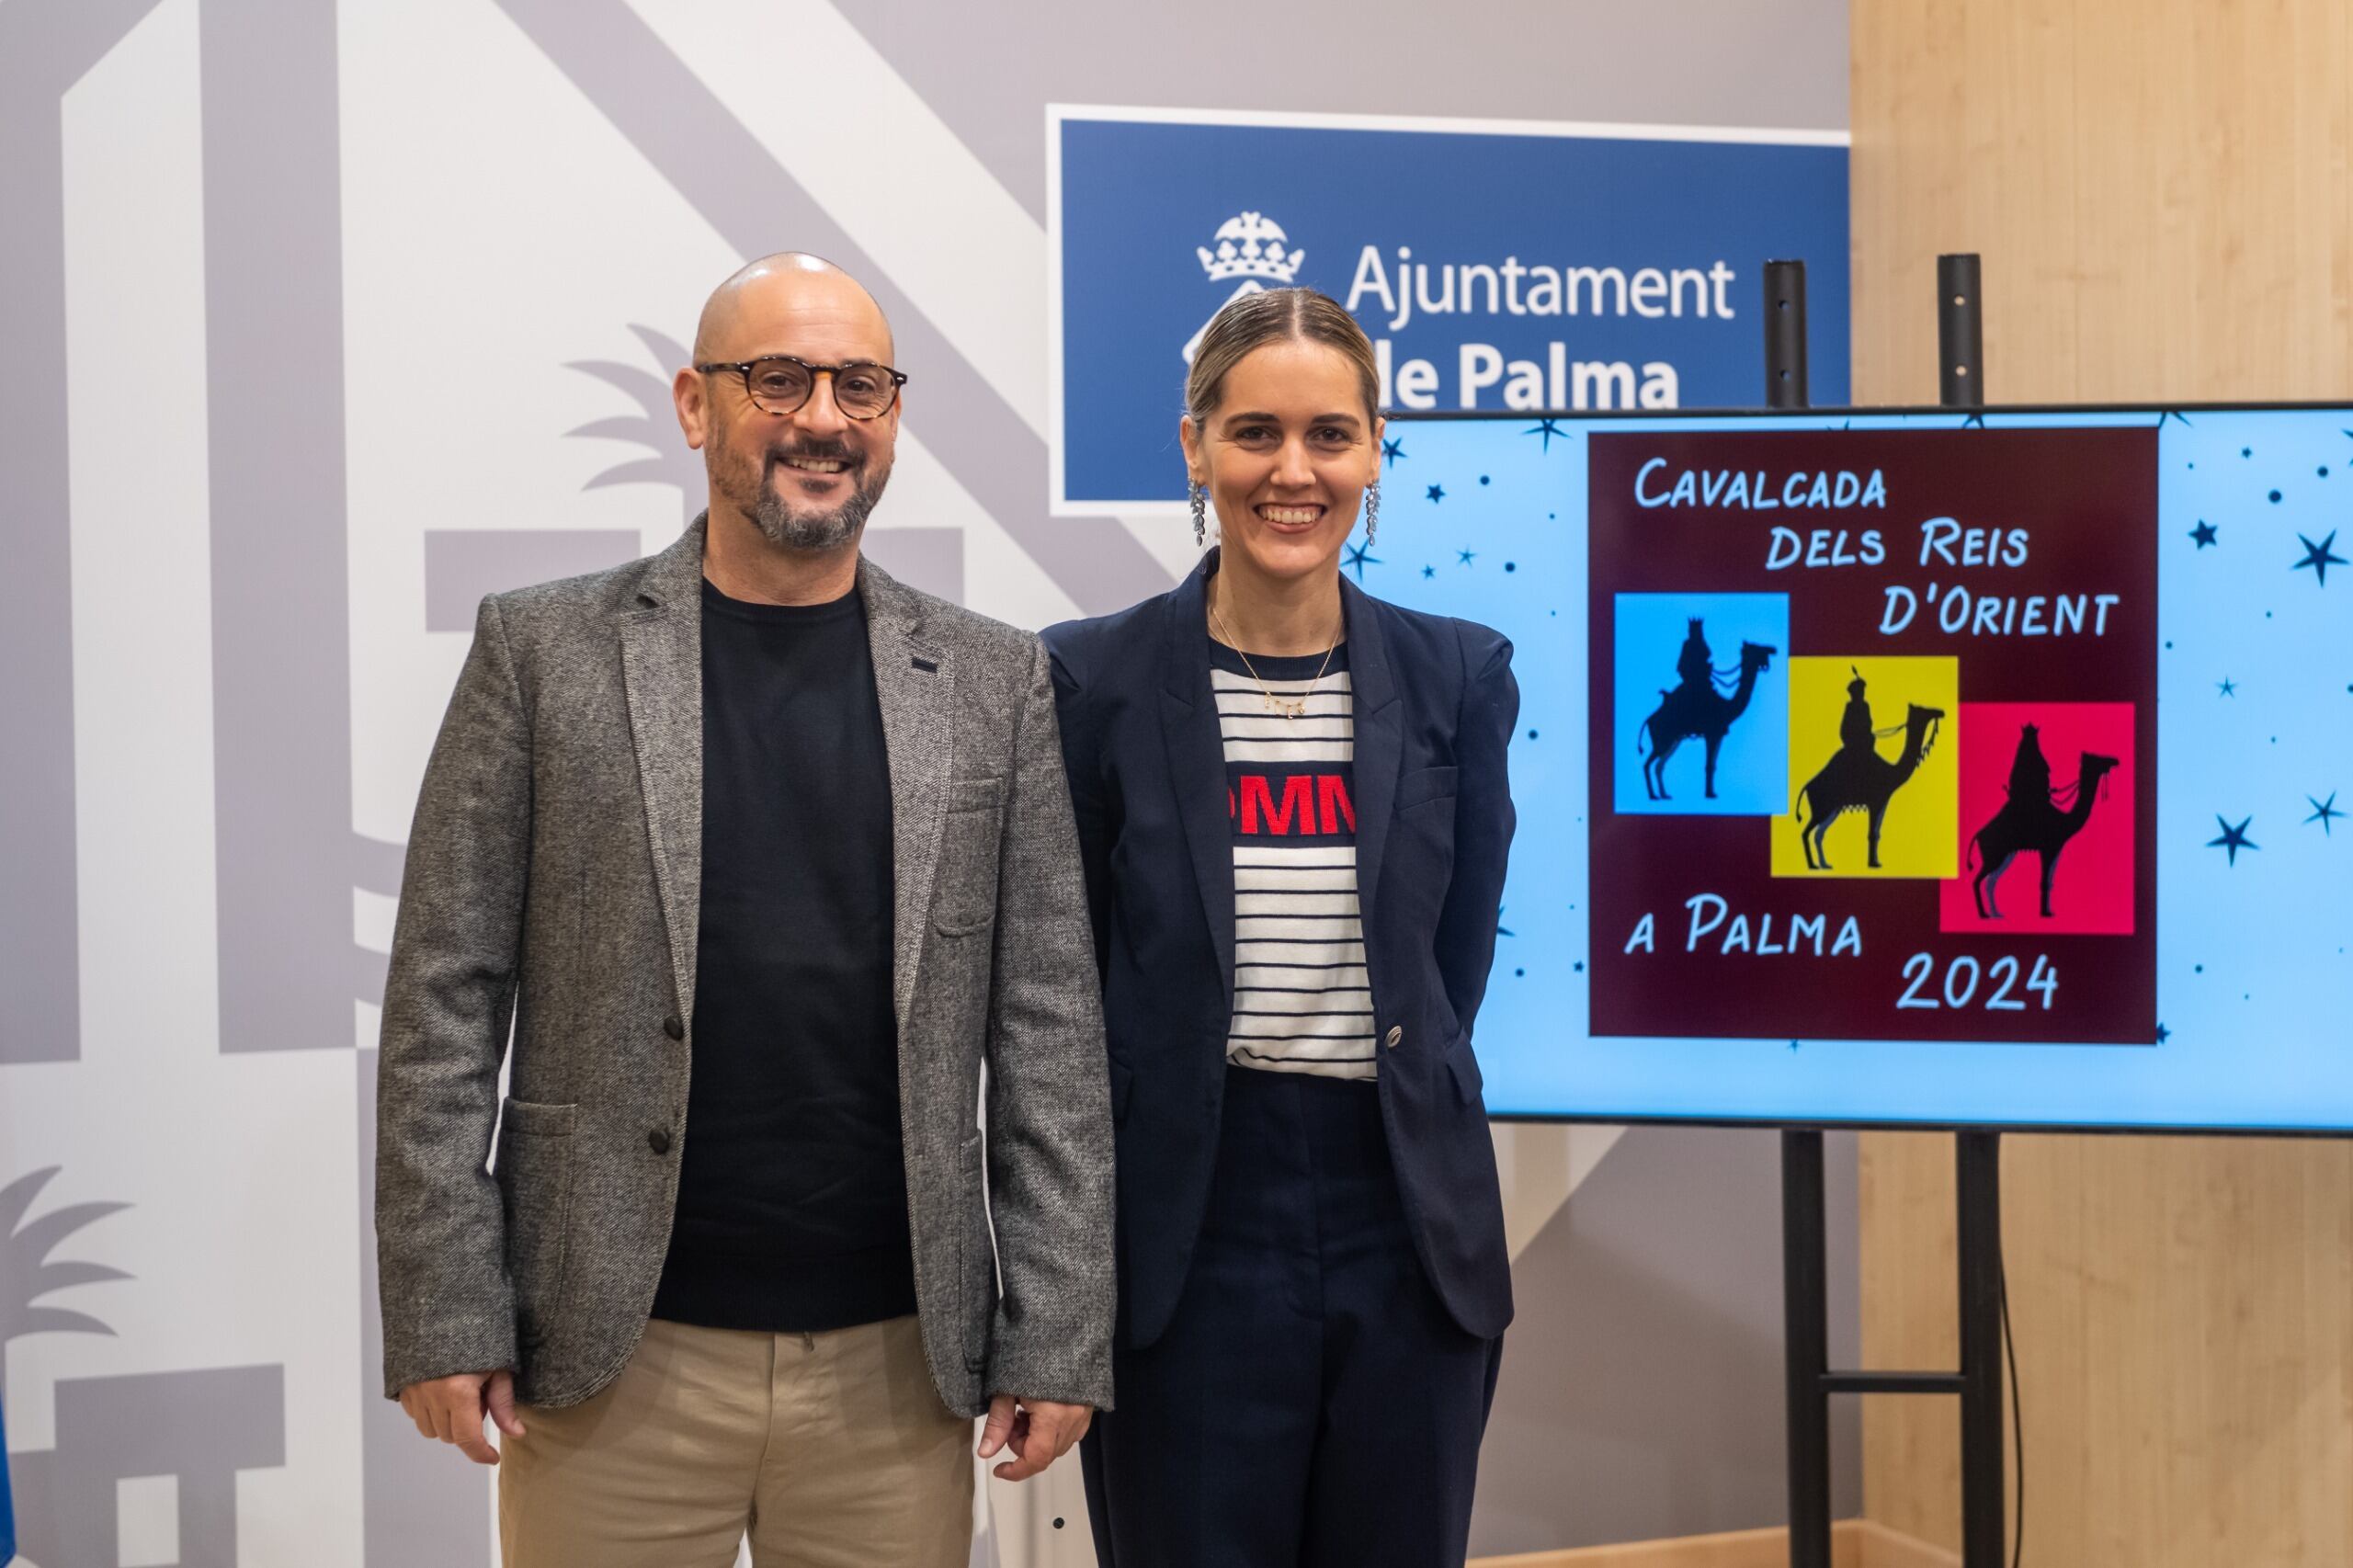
[(832, 1450)]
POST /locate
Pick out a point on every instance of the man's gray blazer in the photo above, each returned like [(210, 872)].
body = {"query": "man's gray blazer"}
[(553, 882)]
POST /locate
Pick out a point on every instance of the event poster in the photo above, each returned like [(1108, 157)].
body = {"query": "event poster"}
[(1874, 705), (1909, 767)]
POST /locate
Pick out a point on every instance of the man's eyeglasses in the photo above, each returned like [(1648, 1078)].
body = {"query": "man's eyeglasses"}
[(780, 384)]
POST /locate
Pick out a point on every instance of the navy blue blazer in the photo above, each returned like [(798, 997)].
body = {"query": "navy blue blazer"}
[(1435, 705)]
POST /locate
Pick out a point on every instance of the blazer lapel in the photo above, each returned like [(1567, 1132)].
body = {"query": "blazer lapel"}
[(661, 681), (1379, 739), (1196, 758), (915, 682)]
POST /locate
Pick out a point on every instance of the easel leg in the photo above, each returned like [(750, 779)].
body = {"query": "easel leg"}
[(1805, 1292), (1978, 1186)]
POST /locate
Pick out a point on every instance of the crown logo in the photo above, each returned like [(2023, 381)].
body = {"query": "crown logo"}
[(1250, 245)]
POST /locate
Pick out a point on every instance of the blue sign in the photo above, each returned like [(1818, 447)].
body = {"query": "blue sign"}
[(1494, 266)]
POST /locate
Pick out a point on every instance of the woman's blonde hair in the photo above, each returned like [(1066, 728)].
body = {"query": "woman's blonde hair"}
[(1275, 316)]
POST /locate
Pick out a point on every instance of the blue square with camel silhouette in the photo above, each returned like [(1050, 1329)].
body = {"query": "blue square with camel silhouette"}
[(1701, 713)]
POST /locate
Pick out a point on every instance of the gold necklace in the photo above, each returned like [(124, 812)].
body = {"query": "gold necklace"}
[(1288, 708)]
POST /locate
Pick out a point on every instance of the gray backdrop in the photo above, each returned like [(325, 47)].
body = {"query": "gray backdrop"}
[(319, 322)]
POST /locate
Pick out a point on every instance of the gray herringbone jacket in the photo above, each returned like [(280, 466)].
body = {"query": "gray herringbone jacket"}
[(553, 881)]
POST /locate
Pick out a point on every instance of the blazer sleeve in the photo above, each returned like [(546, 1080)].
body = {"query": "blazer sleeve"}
[(1483, 819), (1050, 1098), (449, 998)]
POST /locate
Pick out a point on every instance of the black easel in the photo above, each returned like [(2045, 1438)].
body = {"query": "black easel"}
[(1977, 1154)]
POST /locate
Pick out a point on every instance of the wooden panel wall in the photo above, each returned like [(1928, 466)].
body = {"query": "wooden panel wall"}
[(1854, 1543), (2163, 193)]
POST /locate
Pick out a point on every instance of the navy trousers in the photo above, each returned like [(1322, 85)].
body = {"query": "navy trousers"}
[(1313, 1404)]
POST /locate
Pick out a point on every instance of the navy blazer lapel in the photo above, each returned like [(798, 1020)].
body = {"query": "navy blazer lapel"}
[(1188, 723), (1379, 738)]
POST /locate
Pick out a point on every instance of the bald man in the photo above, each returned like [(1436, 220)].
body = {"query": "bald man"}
[(757, 857)]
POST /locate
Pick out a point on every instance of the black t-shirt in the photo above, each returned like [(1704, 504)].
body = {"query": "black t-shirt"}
[(793, 1197)]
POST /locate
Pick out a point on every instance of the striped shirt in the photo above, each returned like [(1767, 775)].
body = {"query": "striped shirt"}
[(1301, 1000)]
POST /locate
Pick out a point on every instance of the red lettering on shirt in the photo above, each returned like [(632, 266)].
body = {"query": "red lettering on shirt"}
[(1309, 803)]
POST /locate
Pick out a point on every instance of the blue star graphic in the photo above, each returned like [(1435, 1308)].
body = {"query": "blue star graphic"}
[(1547, 428), (1429, 571), (2230, 688), (2203, 533), (1465, 557), (2164, 1034), (1438, 491), (2233, 839), (1501, 930), (1358, 558), (2319, 557), (1392, 450), (2323, 811), (1974, 422), (2172, 414)]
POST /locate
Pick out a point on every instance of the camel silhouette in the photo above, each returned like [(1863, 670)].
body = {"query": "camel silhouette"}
[(1696, 709), (2032, 821), (1862, 780)]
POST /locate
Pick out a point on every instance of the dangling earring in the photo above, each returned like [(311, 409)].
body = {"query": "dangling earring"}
[(1371, 510), (1201, 514)]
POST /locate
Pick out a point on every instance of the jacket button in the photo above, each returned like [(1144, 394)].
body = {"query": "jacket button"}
[(658, 1141), (672, 1027), (1396, 1033)]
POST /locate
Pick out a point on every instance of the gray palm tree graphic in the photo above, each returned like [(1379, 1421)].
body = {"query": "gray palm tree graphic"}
[(669, 459), (28, 1272)]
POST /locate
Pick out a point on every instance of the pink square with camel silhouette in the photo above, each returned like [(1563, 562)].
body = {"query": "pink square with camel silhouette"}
[(2046, 820)]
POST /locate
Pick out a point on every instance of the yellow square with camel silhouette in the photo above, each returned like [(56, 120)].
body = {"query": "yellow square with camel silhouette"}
[(1874, 769)]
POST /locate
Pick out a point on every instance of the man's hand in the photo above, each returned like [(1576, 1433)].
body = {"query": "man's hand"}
[(1038, 1432), (453, 1409)]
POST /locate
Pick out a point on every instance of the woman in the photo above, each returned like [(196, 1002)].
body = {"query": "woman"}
[(1293, 811)]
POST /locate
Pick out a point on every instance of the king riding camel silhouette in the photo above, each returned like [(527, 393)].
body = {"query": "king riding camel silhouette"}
[(1857, 779), (2031, 819), (1697, 707)]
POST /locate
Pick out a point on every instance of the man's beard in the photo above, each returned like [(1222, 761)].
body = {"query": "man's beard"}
[(792, 524)]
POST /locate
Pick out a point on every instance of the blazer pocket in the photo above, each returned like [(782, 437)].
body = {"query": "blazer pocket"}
[(983, 792), (534, 1170), (964, 897), (1424, 785), (539, 1121), (1463, 1063)]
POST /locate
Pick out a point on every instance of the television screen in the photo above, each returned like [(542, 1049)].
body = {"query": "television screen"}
[(1910, 768)]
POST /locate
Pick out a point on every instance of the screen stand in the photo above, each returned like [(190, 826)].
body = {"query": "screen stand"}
[(1977, 1154), (1806, 1333)]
